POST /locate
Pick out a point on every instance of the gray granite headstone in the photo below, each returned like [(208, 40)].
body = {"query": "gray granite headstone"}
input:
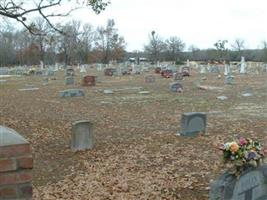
[(178, 76), (193, 123), (69, 80), (72, 93), (82, 135), (251, 185)]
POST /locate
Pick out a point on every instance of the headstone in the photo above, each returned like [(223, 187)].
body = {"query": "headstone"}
[(82, 136), (187, 63), (178, 76), (193, 123), (222, 98), (108, 92), (69, 80), (150, 78), (69, 72), (243, 66), (88, 80), (203, 69), (226, 69), (215, 69), (82, 69), (176, 87), (251, 185), (72, 93), (41, 65), (185, 71), (229, 80)]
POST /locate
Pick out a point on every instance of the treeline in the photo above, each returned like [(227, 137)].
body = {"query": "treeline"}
[(78, 43)]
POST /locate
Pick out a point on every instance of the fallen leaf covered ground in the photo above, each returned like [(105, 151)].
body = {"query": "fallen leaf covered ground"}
[(137, 154)]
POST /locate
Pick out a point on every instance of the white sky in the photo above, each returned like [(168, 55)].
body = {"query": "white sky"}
[(198, 22)]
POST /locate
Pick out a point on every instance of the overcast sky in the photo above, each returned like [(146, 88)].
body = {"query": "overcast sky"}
[(198, 22)]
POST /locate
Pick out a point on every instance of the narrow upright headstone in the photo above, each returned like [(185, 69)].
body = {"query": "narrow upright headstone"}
[(193, 123), (243, 66), (82, 137)]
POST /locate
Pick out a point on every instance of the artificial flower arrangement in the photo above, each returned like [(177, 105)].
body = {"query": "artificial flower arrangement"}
[(242, 154)]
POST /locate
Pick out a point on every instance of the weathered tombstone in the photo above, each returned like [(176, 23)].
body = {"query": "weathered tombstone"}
[(82, 69), (89, 80), (178, 76), (150, 78), (82, 136), (176, 87), (193, 123), (69, 80), (243, 66), (251, 185), (72, 93), (203, 69)]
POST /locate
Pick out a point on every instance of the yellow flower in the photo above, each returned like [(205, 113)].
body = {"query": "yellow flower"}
[(234, 147)]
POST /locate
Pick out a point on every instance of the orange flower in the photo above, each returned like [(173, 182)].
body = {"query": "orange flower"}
[(234, 147)]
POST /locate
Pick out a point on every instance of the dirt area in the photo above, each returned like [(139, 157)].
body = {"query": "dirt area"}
[(137, 153)]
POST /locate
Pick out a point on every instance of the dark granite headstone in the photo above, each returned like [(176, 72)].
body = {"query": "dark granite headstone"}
[(72, 93), (176, 87), (69, 72), (251, 185), (82, 136), (150, 79), (88, 80), (193, 123), (69, 80)]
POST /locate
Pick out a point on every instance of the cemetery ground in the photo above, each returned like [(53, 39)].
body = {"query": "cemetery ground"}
[(137, 154)]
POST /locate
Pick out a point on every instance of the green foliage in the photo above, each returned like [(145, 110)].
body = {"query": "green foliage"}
[(179, 62)]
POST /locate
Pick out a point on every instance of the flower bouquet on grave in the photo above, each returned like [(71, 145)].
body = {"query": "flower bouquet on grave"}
[(241, 155)]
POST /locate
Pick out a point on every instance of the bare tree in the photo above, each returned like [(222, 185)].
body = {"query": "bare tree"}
[(156, 46), (108, 42), (221, 50), (175, 46), (21, 10), (238, 45)]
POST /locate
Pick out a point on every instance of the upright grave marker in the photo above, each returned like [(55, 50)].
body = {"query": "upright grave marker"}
[(82, 135), (193, 123), (251, 185)]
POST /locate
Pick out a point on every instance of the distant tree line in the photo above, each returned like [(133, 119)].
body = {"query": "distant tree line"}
[(82, 43), (79, 44)]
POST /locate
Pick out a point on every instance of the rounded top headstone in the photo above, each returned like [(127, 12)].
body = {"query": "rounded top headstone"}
[(9, 136)]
